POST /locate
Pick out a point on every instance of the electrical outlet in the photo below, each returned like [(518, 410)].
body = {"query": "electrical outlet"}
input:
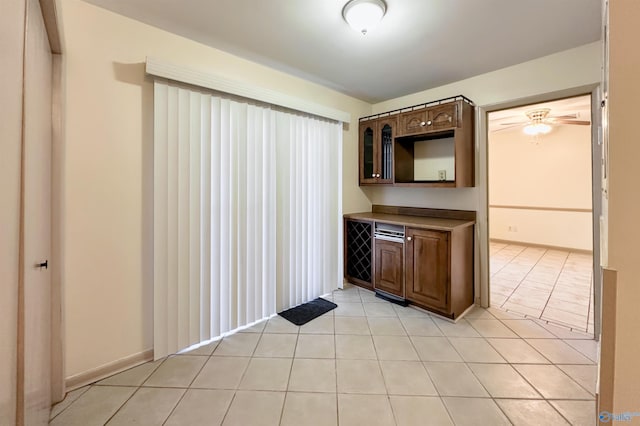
[(442, 174)]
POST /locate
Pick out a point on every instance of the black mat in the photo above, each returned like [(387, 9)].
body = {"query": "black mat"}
[(304, 313)]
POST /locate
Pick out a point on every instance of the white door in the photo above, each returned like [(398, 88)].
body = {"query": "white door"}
[(36, 313)]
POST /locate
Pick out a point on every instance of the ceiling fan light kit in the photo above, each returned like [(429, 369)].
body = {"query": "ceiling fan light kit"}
[(536, 129), (363, 15), (537, 126)]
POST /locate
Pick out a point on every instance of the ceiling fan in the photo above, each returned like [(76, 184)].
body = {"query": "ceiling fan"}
[(540, 122)]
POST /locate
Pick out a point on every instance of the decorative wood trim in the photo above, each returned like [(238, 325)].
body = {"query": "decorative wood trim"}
[(550, 209), (607, 342), (57, 317), (20, 364), (219, 83), (547, 246), (90, 376), (50, 15), (426, 212)]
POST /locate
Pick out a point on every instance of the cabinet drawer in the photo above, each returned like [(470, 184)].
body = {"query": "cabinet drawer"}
[(413, 122), (442, 117)]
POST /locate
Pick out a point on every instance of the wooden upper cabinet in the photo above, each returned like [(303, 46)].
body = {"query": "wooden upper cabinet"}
[(376, 142), (395, 146), (427, 268), (389, 267)]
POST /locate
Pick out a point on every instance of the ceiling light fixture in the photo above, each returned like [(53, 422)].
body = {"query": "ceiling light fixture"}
[(537, 125), (537, 129), (363, 15)]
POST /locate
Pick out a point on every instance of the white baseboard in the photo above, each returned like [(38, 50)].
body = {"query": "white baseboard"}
[(90, 376), (547, 246)]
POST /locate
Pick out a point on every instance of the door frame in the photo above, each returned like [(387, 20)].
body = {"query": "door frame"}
[(53, 28), (482, 177)]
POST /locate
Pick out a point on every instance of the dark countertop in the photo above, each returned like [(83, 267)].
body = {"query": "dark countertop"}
[(413, 221)]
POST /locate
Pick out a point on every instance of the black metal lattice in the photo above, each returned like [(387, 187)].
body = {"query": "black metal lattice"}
[(359, 250)]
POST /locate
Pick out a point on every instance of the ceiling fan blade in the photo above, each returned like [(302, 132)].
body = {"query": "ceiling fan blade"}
[(519, 123), (577, 122), (568, 116), (507, 128)]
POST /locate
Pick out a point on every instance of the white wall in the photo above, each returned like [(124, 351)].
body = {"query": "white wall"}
[(108, 160), (11, 45), (553, 173)]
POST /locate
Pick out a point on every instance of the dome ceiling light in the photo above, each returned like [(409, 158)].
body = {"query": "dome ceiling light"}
[(363, 15)]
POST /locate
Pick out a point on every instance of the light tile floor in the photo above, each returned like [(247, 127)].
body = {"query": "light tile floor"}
[(368, 362), (553, 285)]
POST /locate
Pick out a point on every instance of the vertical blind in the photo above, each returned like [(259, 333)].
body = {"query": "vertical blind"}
[(247, 208)]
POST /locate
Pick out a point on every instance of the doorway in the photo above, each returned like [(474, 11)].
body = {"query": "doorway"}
[(541, 212)]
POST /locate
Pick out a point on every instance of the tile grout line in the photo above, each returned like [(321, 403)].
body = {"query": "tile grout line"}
[(70, 404), (235, 391), (472, 373), (526, 275), (189, 386), (491, 274), (140, 386), (523, 278), (554, 286), (286, 389)]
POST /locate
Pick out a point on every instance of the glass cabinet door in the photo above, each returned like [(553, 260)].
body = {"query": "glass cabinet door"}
[(387, 132), (368, 172), (386, 139)]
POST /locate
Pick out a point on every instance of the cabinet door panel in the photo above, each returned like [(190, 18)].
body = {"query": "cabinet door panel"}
[(442, 117), (389, 267), (386, 128), (368, 152), (413, 122), (427, 268)]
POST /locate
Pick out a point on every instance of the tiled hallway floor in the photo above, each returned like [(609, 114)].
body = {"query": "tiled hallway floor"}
[(552, 285), (368, 362)]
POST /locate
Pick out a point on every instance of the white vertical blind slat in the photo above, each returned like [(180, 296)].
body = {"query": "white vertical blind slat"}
[(172, 220), (184, 117), (160, 207), (206, 285), (195, 192)]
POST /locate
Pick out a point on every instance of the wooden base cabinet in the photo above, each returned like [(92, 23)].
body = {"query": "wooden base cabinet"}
[(439, 269), (389, 268)]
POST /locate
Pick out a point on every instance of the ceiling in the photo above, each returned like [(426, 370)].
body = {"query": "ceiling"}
[(580, 106), (420, 44)]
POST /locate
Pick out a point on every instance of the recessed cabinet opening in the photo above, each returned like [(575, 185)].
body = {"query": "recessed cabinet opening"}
[(426, 159)]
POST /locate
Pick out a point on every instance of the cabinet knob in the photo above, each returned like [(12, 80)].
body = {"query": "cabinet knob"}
[(450, 119), (429, 123), (373, 175), (378, 175), (422, 123), (408, 238)]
